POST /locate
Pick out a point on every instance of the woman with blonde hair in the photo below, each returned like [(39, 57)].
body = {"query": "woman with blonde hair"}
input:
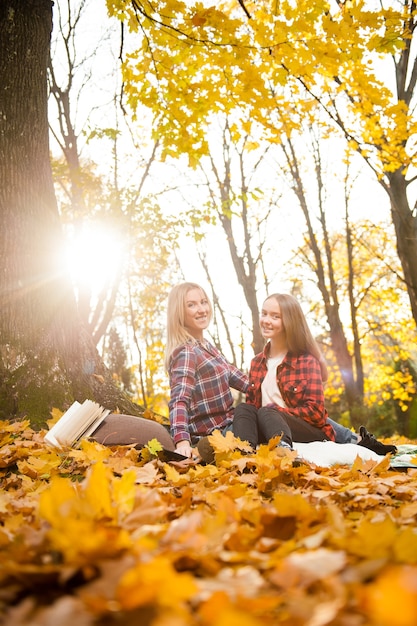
[(200, 377), (285, 395)]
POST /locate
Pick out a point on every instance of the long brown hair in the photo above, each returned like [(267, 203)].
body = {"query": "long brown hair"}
[(177, 334), (297, 332)]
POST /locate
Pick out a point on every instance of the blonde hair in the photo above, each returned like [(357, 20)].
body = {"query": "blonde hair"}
[(177, 334), (297, 332)]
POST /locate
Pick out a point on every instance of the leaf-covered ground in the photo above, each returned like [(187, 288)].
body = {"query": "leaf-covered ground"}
[(109, 536)]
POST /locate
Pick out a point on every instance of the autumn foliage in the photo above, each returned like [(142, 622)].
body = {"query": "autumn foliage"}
[(117, 536)]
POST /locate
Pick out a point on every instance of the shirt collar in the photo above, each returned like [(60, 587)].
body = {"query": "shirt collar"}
[(267, 349)]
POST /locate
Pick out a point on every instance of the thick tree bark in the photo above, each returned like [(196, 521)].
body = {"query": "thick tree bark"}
[(405, 222), (46, 358)]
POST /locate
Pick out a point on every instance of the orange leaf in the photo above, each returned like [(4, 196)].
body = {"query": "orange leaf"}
[(391, 600)]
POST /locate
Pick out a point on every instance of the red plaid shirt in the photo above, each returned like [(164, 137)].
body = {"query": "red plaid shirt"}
[(200, 399), (301, 386)]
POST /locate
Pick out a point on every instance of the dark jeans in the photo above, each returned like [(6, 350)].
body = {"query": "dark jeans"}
[(260, 425)]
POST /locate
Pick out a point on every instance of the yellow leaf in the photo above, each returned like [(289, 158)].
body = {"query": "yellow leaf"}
[(154, 446), (228, 442), (95, 451), (288, 504), (56, 415), (97, 492), (155, 582), (123, 492), (39, 466), (198, 19), (374, 539), (77, 515), (175, 477), (405, 546), (56, 501)]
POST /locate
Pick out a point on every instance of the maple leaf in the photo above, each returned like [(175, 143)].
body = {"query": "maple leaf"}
[(175, 477), (221, 610), (227, 442), (198, 19), (148, 474), (155, 582), (405, 546), (56, 415), (154, 446), (96, 491), (374, 539), (94, 451), (41, 465)]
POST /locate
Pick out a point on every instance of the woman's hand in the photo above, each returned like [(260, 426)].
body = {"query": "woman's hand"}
[(184, 448)]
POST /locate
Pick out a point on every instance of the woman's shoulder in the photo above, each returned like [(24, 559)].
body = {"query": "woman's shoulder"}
[(183, 349), (258, 358)]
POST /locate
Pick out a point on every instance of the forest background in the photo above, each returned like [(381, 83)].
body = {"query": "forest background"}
[(252, 148)]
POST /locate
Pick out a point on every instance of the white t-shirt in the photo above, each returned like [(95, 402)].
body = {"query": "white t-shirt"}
[(270, 390)]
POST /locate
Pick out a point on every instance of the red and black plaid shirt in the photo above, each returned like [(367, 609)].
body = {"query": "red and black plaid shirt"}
[(301, 386)]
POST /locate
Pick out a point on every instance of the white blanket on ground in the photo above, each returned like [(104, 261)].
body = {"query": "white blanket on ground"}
[(328, 453)]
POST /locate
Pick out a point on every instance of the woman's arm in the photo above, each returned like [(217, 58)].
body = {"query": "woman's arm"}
[(182, 383), (238, 380)]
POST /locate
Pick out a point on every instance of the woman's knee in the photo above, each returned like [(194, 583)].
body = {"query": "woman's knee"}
[(272, 423), (270, 414), (245, 411)]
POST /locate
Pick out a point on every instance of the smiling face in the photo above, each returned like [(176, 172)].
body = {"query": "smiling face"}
[(197, 313), (270, 322)]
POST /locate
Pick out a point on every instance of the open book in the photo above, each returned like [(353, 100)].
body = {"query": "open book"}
[(78, 422)]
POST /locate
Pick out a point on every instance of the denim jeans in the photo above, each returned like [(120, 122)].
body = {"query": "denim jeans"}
[(343, 434)]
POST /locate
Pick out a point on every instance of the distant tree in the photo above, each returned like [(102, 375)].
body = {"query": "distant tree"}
[(321, 257), (379, 332), (235, 202), (116, 358)]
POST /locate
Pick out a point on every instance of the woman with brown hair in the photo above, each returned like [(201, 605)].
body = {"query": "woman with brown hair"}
[(285, 395)]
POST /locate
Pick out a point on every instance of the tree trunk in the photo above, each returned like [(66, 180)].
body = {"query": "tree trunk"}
[(405, 223), (46, 357), (353, 392)]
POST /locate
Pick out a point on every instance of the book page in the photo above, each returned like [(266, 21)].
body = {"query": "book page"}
[(62, 425), (78, 421), (95, 424)]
